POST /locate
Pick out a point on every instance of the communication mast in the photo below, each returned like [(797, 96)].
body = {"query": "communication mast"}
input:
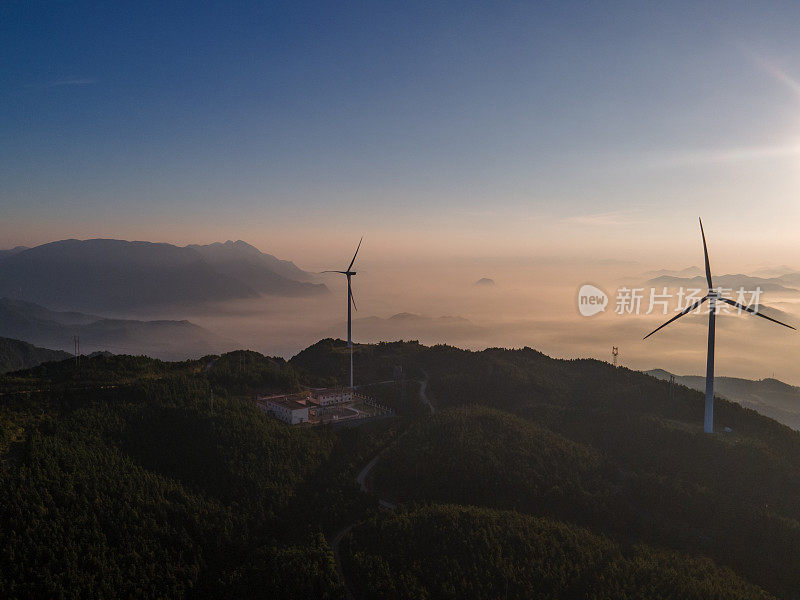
[(614, 354)]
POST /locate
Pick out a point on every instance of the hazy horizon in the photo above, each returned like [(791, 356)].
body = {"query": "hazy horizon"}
[(562, 150), (542, 146), (533, 303)]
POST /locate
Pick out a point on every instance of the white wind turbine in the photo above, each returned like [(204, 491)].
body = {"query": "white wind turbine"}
[(351, 304), (713, 295)]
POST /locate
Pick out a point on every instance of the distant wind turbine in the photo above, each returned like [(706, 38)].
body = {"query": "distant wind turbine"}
[(712, 296), (351, 304)]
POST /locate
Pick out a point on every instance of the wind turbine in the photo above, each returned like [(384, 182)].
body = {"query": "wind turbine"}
[(351, 304), (713, 295)]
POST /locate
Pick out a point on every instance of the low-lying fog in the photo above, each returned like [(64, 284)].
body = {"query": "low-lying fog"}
[(531, 303)]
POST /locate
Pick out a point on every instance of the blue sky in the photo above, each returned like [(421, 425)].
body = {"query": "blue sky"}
[(465, 127)]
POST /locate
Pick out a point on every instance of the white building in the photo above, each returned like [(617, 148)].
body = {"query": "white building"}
[(284, 408), (330, 396)]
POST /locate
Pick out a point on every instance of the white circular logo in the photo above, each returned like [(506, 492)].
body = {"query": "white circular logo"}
[(591, 300)]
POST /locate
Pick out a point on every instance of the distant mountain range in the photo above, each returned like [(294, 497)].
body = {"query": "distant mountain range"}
[(770, 397), (114, 276), (16, 355), (769, 279), (170, 340), (263, 272), (409, 326), (767, 284), (687, 272)]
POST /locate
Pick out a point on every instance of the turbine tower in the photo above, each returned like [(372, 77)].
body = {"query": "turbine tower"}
[(351, 304), (713, 295)]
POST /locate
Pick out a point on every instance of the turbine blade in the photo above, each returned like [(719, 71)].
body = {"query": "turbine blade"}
[(686, 310), (705, 252), (342, 272), (352, 298), (756, 313), (356, 254)]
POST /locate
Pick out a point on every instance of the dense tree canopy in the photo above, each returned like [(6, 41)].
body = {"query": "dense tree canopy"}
[(130, 477), (446, 551)]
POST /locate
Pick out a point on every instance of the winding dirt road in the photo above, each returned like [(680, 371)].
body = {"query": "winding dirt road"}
[(361, 479)]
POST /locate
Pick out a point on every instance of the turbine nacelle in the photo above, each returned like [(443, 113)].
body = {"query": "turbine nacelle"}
[(351, 304), (713, 296)]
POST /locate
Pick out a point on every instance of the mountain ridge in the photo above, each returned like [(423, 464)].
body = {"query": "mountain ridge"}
[(263, 272), (770, 397), (16, 355), (117, 276), (531, 452), (169, 339)]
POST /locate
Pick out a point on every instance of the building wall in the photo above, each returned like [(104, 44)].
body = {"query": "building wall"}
[(299, 415), (287, 415), (327, 399)]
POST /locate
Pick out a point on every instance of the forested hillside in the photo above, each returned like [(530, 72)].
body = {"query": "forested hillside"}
[(16, 355), (606, 448), (131, 477), (125, 479), (446, 551)]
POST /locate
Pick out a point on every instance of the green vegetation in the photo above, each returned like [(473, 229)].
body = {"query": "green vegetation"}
[(466, 552), (403, 398), (328, 361), (146, 490), (647, 472), (16, 355), (640, 482), (124, 479), (485, 456), (247, 372), (132, 477)]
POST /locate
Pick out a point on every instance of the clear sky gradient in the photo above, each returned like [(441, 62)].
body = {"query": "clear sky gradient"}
[(471, 129)]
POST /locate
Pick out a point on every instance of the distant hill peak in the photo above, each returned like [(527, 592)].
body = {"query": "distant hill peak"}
[(117, 276), (485, 282), (732, 281), (230, 245), (225, 254), (55, 329), (769, 396), (404, 316), (659, 373), (687, 272)]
